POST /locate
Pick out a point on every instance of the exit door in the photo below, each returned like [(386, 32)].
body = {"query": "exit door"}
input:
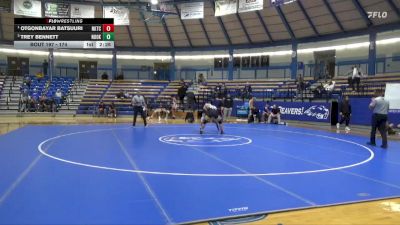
[(17, 66), (87, 69), (325, 63), (161, 71)]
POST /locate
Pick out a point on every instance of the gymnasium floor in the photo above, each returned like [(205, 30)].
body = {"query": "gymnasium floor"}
[(116, 174)]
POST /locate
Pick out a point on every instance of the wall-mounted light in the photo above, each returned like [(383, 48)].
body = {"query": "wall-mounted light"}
[(199, 57), (337, 47), (388, 41)]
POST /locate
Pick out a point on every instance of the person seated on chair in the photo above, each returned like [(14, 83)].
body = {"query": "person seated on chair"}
[(318, 90), (27, 81), (211, 114), (217, 90), (275, 114), (51, 105), (120, 94), (42, 103), (330, 86), (112, 110), (266, 112), (32, 105), (58, 97), (127, 95), (101, 109), (104, 76)]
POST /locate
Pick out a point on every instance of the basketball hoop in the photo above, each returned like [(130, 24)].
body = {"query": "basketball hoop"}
[(150, 18)]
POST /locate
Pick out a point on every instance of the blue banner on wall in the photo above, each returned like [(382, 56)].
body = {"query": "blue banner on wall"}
[(361, 114), (320, 112), (301, 111)]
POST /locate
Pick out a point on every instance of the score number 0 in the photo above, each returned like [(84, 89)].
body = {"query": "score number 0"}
[(108, 27)]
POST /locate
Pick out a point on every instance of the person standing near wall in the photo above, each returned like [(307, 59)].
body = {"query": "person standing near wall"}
[(253, 111), (345, 113), (357, 78), (45, 66), (380, 107), (181, 94), (228, 105), (300, 86), (139, 106)]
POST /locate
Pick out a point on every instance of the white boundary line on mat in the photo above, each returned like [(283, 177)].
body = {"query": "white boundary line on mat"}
[(40, 149)]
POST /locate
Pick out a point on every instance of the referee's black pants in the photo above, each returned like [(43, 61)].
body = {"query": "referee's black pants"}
[(345, 118), (379, 122), (136, 110)]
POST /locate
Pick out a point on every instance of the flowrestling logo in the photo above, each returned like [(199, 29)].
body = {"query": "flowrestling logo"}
[(319, 112), (205, 140)]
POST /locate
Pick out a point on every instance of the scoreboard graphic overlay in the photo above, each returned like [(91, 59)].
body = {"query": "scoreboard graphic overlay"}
[(63, 33)]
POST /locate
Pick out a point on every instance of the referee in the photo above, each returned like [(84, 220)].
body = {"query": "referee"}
[(139, 106), (380, 107)]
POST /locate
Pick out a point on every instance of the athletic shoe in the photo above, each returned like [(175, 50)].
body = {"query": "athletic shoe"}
[(338, 126), (201, 132), (369, 143), (347, 128), (384, 146)]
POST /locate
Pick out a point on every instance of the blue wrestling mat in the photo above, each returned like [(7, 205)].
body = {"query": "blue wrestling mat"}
[(170, 174)]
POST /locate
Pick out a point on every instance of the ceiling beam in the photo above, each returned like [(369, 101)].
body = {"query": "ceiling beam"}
[(183, 25), (264, 25), (148, 32), (146, 27), (224, 30), (1, 29), (325, 37), (130, 35), (205, 32), (394, 7), (362, 12), (129, 29), (244, 28), (221, 24), (171, 43), (308, 17), (333, 15), (285, 22)]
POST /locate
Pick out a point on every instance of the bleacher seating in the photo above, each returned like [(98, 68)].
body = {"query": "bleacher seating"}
[(2, 82), (368, 84), (62, 83), (94, 92), (158, 92), (106, 91)]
